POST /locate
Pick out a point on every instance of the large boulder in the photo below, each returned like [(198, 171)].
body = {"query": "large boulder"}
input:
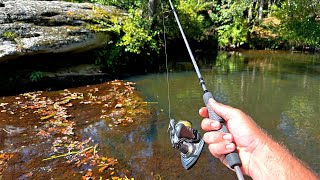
[(29, 27)]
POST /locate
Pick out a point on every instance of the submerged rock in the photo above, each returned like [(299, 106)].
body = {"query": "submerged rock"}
[(29, 27)]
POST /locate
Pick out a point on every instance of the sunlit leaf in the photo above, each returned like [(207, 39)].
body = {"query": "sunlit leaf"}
[(48, 116), (103, 168)]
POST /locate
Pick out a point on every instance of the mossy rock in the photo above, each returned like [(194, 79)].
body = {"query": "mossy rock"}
[(36, 27)]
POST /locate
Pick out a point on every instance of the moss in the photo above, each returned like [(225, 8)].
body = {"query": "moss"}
[(96, 28), (104, 19), (9, 35), (72, 28)]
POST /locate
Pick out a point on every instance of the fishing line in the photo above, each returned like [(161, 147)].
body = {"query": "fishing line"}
[(166, 57), (182, 135), (181, 130)]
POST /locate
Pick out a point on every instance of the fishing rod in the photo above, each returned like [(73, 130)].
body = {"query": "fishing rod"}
[(233, 158)]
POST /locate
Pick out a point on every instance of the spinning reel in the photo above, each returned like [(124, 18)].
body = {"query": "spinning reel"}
[(187, 140)]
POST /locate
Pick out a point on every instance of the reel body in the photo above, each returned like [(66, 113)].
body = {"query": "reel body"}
[(187, 140)]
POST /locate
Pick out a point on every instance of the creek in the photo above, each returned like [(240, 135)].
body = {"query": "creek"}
[(279, 90)]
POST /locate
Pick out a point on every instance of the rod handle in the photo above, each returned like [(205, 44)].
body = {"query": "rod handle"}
[(233, 158)]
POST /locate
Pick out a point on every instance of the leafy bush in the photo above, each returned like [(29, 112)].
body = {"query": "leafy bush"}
[(138, 35), (299, 25), (231, 24), (133, 40), (36, 76), (9, 35)]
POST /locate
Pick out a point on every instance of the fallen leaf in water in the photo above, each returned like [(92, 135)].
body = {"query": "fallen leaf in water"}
[(3, 104), (6, 156), (69, 105), (129, 119), (112, 161), (118, 105), (48, 116), (43, 133), (93, 163), (103, 168), (28, 174), (104, 159)]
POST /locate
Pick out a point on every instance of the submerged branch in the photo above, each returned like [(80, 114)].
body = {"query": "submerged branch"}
[(67, 154)]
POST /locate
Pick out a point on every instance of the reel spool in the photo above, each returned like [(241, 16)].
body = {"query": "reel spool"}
[(187, 140)]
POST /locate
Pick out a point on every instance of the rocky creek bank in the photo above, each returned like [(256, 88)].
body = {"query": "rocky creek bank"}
[(29, 27), (44, 44)]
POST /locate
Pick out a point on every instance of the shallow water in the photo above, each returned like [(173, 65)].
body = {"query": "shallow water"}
[(279, 90)]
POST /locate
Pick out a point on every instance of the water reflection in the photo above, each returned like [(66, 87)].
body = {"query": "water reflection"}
[(279, 90)]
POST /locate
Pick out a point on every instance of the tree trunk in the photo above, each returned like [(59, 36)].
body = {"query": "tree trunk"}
[(260, 12), (249, 14), (250, 21), (152, 8)]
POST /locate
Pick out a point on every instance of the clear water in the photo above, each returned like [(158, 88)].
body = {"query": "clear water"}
[(279, 90)]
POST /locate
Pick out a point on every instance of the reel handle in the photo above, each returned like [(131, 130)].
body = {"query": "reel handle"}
[(233, 158)]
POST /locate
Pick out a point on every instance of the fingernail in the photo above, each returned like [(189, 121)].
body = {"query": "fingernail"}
[(227, 137), (230, 146), (215, 124)]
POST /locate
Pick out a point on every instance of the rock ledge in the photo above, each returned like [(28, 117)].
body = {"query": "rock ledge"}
[(29, 27)]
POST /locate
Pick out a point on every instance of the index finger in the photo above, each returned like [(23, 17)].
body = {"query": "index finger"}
[(203, 112)]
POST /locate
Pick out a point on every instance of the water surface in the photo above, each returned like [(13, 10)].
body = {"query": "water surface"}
[(279, 90)]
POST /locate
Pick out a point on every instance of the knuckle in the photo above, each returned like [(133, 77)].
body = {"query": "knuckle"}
[(205, 124), (212, 137), (237, 111)]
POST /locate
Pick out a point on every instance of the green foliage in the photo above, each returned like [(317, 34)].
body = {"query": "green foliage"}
[(9, 35), (299, 25), (124, 4), (133, 38), (110, 57), (193, 17), (231, 23), (137, 34), (78, 1), (36, 76), (133, 32)]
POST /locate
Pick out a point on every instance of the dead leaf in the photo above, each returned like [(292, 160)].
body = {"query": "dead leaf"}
[(48, 116), (103, 168), (118, 105), (43, 133), (69, 105)]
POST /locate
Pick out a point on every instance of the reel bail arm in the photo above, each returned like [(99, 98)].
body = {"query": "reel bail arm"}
[(187, 140)]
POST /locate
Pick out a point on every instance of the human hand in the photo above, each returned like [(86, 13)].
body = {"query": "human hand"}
[(261, 157), (247, 136)]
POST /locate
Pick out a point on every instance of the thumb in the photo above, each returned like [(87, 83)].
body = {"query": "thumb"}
[(221, 110)]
